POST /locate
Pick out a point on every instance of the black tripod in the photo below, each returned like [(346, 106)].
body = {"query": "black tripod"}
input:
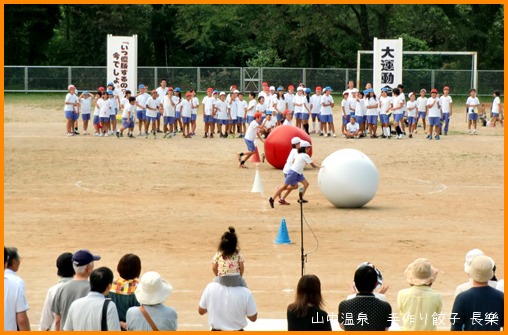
[(300, 190)]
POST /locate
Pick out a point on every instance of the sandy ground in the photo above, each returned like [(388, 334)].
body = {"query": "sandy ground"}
[(169, 201)]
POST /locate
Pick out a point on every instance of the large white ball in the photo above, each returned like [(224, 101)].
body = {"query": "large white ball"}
[(348, 178)]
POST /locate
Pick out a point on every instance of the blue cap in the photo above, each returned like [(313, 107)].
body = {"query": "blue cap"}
[(214, 92), (141, 86), (110, 92), (268, 112), (366, 92), (111, 83), (84, 257), (85, 92), (280, 88), (384, 89), (307, 90), (328, 88), (177, 89), (370, 90)]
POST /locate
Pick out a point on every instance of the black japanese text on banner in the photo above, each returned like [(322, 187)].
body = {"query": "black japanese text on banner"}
[(387, 63), (122, 59)]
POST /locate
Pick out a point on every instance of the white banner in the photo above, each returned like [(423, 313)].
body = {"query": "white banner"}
[(122, 61), (387, 64)]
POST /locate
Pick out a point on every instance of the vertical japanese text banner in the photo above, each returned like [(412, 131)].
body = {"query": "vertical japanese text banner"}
[(387, 64), (122, 62)]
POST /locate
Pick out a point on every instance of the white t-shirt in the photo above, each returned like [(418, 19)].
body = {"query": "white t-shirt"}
[(434, 110), (208, 103), (85, 105), (289, 99), (242, 107), (251, 108), (352, 104), (300, 100), (270, 123), (315, 101), (186, 108), (495, 105), (361, 108), (371, 101), (222, 113), (72, 98), (104, 107), (353, 128), (403, 97), (306, 104), (169, 105), (141, 100), (233, 109), (445, 103), (288, 123), (386, 103), (260, 108), (129, 109), (326, 99), (227, 306), (344, 107), (152, 103), (14, 302), (290, 160), (422, 104), (472, 101), (397, 101), (162, 92), (300, 161), (96, 109), (113, 103), (411, 104), (195, 103), (281, 105), (252, 130)]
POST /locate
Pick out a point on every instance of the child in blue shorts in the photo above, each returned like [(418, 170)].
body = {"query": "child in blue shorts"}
[(250, 136)]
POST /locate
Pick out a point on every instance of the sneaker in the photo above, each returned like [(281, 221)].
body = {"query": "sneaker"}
[(106, 135), (159, 131), (70, 134), (334, 135), (283, 202), (437, 137), (321, 134), (326, 135), (118, 133), (271, 201), (154, 136), (303, 201), (95, 134), (470, 132), (205, 135), (410, 135), (101, 135), (211, 135), (139, 134), (404, 133), (446, 133), (474, 132), (85, 133), (146, 135), (429, 137)]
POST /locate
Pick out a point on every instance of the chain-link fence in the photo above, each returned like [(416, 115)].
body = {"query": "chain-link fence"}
[(57, 78)]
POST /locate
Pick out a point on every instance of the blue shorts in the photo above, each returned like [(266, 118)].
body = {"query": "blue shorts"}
[(346, 119), (116, 110), (397, 117), (158, 115), (96, 119), (434, 121), (151, 119), (233, 121), (193, 117), (372, 119), (178, 115), (250, 145), (360, 119), (127, 123), (421, 115), (141, 114), (495, 114), (293, 178), (411, 120), (472, 116), (85, 117), (326, 118), (104, 119), (279, 117), (298, 116), (250, 119), (305, 116), (76, 116), (186, 119), (315, 115), (384, 118), (239, 120), (207, 119), (220, 121), (112, 117), (69, 114), (169, 120)]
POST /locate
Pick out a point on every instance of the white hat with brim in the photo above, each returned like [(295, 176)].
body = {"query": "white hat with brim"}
[(471, 254), (481, 269), (296, 140), (420, 272), (304, 144), (152, 289)]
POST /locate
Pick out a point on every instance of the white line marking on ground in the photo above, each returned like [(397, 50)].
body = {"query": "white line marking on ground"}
[(441, 186), (79, 184)]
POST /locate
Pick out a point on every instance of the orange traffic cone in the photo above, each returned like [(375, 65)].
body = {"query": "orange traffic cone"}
[(255, 157)]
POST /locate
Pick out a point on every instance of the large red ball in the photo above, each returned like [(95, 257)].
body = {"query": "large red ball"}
[(278, 144)]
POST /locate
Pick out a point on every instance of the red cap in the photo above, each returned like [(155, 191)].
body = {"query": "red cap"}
[(291, 87), (446, 88), (170, 88), (188, 94), (233, 87), (264, 83), (318, 88), (433, 91), (101, 89), (209, 89), (257, 114), (154, 91), (287, 111)]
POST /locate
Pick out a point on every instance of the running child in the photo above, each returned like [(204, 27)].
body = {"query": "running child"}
[(208, 107), (227, 263), (434, 114), (446, 103), (326, 116), (152, 107), (71, 102), (128, 116), (295, 174), (85, 100), (242, 114), (250, 136), (422, 109), (315, 107), (295, 145), (372, 106), (412, 107), (194, 111), (186, 114), (472, 104), (496, 109)]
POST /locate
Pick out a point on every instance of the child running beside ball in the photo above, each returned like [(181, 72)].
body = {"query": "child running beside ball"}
[(250, 136), (295, 174), (227, 263)]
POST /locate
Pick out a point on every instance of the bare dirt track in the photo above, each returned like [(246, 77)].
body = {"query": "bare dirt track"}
[(169, 200)]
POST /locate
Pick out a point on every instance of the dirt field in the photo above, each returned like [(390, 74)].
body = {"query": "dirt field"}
[(169, 201)]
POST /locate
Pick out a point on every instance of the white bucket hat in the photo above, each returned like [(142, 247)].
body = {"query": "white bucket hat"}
[(152, 289), (420, 272)]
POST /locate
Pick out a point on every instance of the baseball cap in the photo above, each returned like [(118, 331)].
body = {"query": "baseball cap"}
[(110, 92), (257, 114), (345, 92), (101, 89), (154, 91), (236, 91), (354, 90), (353, 116), (328, 88), (85, 92), (411, 94), (370, 90), (365, 92), (272, 88), (222, 93), (170, 88), (287, 111), (299, 88), (71, 86), (423, 90), (304, 144), (177, 89), (264, 83), (64, 265), (268, 112), (215, 92), (291, 87), (446, 88), (318, 88), (84, 257), (296, 140), (280, 88), (232, 87), (209, 89), (384, 89), (188, 94), (433, 91), (141, 86), (111, 83)]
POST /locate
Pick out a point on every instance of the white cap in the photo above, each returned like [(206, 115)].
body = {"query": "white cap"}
[(236, 91), (71, 86), (299, 88), (222, 93), (354, 90), (272, 88), (304, 144), (296, 140), (410, 94)]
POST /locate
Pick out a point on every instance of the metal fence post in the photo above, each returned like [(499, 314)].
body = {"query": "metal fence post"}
[(198, 79), (69, 75), (26, 79), (432, 78), (304, 76), (155, 78), (240, 83), (347, 78)]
